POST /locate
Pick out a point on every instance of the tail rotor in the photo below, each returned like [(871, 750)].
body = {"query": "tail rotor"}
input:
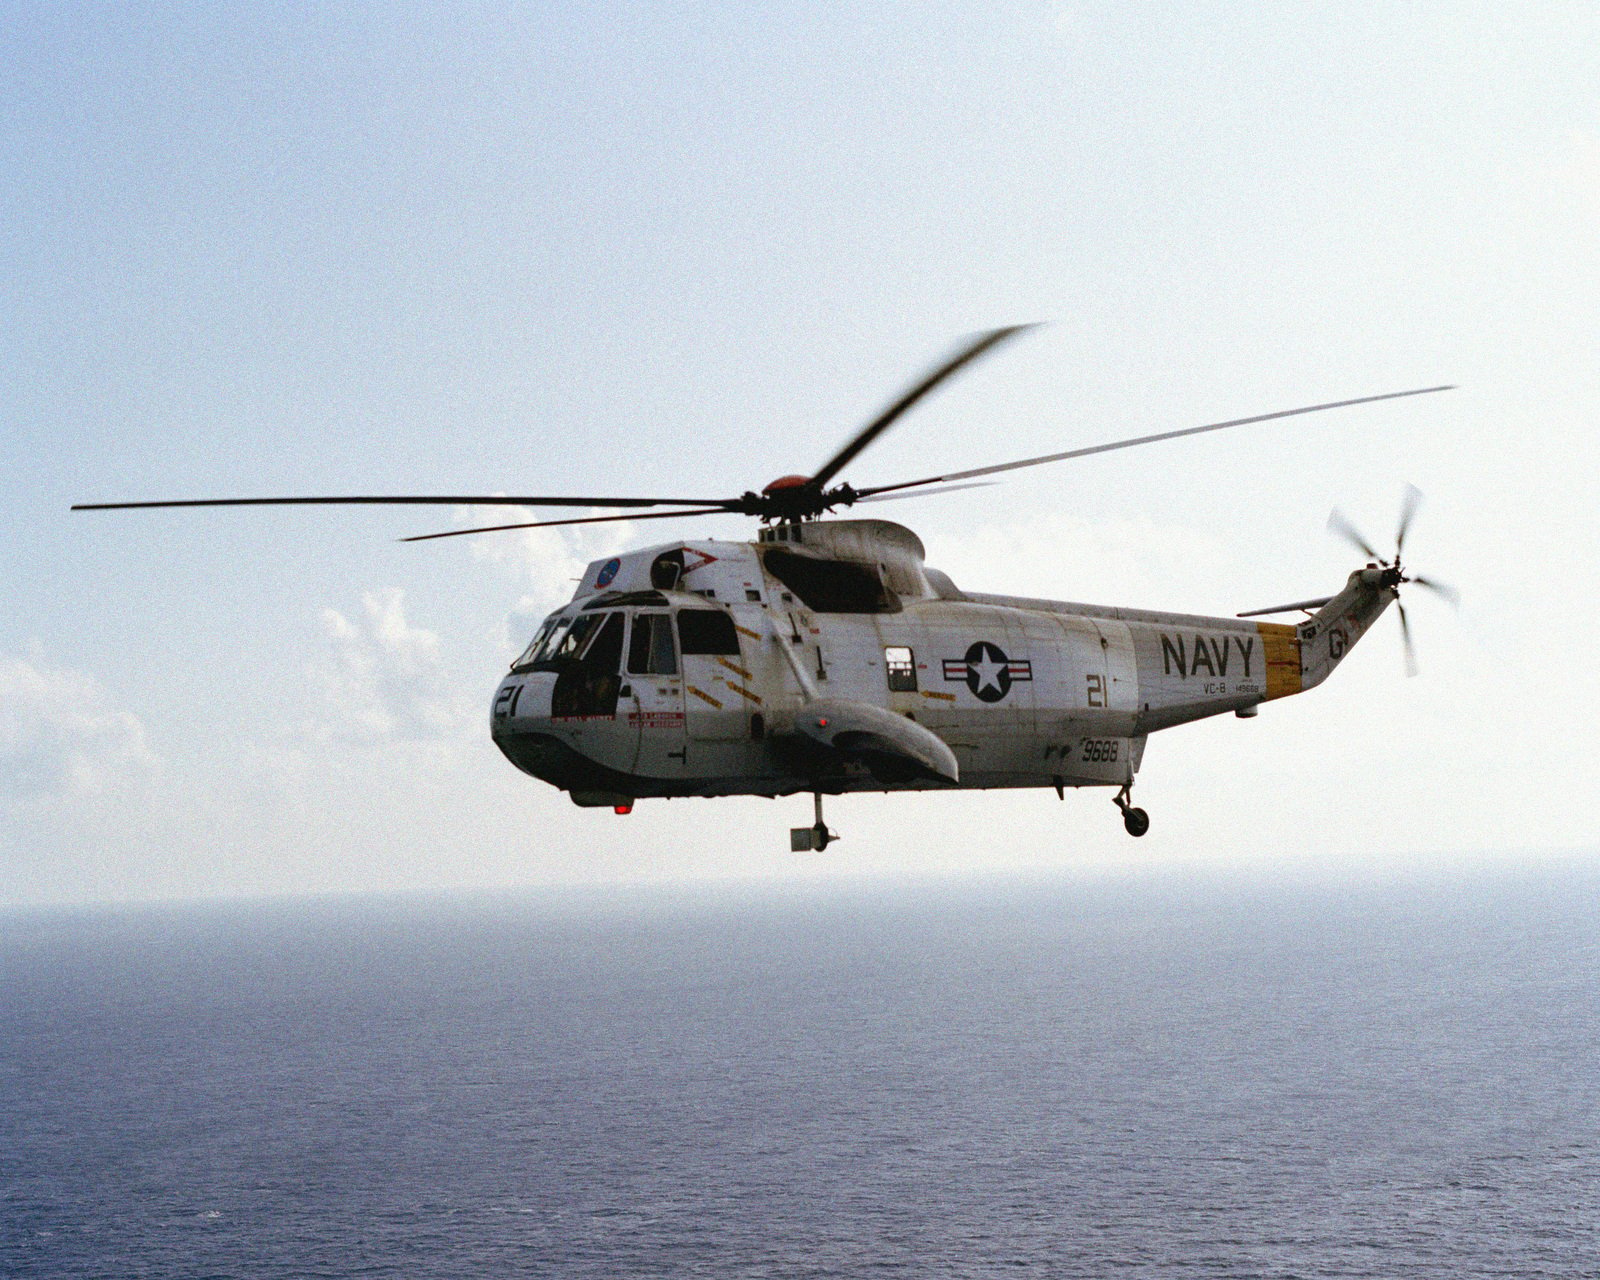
[(1394, 574)]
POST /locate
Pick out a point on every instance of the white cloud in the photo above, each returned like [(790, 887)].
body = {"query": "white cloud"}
[(62, 738), (382, 677), (548, 562)]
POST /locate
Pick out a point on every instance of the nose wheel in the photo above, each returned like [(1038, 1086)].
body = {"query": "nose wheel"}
[(1135, 820)]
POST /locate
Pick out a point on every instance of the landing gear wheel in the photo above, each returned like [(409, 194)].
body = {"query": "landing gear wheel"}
[(1137, 821), (821, 837)]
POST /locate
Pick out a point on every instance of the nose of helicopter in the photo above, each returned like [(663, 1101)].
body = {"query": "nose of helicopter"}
[(519, 718), (521, 701)]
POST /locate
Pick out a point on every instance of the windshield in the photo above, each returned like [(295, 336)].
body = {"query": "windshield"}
[(528, 655), (568, 641), (559, 639)]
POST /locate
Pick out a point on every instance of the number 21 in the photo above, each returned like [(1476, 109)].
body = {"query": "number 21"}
[(1097, 690)]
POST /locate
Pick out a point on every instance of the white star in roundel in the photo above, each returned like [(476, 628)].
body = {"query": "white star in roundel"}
[(987, 669)]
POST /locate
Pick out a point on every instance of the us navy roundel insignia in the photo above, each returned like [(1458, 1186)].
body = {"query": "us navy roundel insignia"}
[(608, 571), (987, 671)]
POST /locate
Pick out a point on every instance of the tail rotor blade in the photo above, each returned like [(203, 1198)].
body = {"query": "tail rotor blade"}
[(1338, 524), (1405, 640), (1408, 509), (1442, 589)]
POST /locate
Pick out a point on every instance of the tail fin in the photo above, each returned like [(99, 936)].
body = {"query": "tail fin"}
[(1334, 629)]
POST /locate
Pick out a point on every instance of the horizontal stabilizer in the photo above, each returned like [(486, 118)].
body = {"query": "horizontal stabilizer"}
[(1286, 608), (894, 748)]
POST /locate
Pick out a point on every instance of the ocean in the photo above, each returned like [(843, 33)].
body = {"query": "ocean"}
[(1118, 1076)]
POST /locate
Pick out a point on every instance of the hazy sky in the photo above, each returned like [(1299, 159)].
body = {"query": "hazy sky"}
[(472, 247)]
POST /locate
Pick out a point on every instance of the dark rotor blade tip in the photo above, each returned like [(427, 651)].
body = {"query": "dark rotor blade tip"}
[(963, 356)]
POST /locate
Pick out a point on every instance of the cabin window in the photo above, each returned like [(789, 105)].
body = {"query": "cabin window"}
[(707, 631), (650, 651), (901, 667), (831, 586)]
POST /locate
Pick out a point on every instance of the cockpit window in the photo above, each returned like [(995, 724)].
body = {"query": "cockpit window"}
[(604, 653), (531, 653), (560, 640), (552, 638), (569, 643), (650, 651), (587, 683)]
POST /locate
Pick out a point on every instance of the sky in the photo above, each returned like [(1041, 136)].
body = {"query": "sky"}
[(279, 248)]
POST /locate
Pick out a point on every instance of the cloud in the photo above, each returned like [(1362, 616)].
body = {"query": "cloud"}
[(547, 562), (61, 738), (381, 677)]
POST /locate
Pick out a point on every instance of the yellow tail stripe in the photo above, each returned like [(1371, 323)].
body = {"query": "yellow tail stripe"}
[(1280, 650)]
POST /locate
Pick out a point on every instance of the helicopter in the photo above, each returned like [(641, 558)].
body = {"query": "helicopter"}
[(827, 657)]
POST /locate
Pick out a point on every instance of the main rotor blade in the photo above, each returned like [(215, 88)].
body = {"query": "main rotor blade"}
[(1338, 524), (1408, 509), (1137, 440), (469, 500), (963, 356), (928, 493), (550, 524)]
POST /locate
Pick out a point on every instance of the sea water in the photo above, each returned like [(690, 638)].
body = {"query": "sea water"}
[(1135, 1076)]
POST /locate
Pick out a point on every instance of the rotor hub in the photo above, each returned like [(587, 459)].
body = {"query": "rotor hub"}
[(790, 499)]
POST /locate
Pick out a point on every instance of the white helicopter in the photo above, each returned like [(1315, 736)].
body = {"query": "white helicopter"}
[(827, 657)]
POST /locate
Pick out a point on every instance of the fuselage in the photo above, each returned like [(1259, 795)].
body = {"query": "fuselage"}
[(736, 668)]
